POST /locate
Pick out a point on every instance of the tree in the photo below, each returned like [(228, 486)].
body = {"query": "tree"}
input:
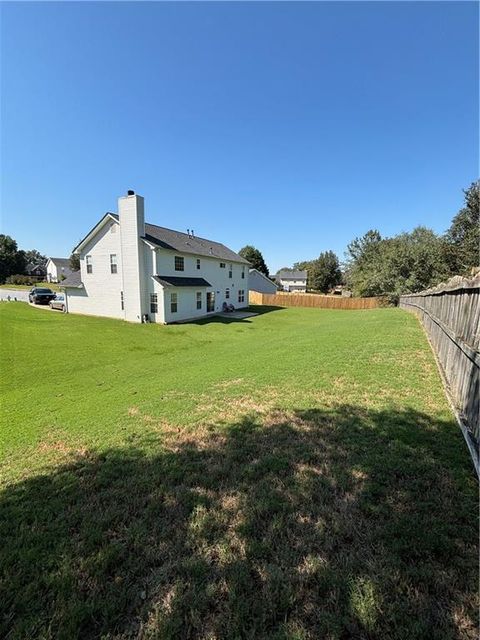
[(406, 263), (35, 257), (12, 261), (254, 256), (75, 262), (325, 272), (463, 236)]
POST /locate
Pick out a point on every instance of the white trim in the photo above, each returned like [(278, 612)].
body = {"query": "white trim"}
[(100, 224)]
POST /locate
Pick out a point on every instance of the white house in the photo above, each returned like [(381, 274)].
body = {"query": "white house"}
[(259, 282), (58, 269), (137, 271), (292, 280)]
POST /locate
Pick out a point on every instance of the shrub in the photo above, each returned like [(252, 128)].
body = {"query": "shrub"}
[(20, 279)]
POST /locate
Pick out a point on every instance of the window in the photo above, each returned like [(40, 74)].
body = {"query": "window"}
[(198, 263), (243, 272), (113, 263), (241, 295), (199, 299), (227, 294), (153, 303), (89, 264), (222, 265), (230, 271), (122, 306), (173, 302), (179, 263)]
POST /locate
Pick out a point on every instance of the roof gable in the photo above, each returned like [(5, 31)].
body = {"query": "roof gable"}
[(96, 229)]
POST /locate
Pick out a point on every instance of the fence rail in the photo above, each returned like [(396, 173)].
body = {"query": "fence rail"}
[(450, 314), (312, 300)]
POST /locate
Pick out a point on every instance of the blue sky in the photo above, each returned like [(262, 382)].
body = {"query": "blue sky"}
[(291, 126)]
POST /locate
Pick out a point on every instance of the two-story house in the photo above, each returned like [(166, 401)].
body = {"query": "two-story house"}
[(292, 280), (136, 271)]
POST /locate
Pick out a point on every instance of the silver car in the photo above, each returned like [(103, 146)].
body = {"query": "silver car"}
[(58, 302)]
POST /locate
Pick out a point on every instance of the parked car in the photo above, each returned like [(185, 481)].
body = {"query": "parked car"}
[(58, 302), (39, 295)]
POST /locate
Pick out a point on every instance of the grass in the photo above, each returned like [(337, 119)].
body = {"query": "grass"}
[(26, 287), (297, 475)]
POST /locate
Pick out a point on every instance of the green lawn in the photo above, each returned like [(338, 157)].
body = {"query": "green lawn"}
[(297, 475), (48, 285)]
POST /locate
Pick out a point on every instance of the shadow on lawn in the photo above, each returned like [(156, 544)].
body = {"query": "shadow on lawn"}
[(258, 310), (342, 523)]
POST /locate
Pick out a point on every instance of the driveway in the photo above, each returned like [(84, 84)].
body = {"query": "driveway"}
[(19, 294)]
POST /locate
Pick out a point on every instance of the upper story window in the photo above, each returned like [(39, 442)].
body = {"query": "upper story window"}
[(113, 263), (198, 263), (243, 272), (199, 299), (173, 302), (153, 303), (88, 260), (222, 265), (230, 271), (179, 263)]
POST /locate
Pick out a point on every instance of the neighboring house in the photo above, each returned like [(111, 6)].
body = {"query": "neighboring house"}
[(56, 268), (137, 271), (37, 270), (292, 280), (257, 281)]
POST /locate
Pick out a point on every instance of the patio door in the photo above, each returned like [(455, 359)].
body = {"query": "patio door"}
[(210, 301)]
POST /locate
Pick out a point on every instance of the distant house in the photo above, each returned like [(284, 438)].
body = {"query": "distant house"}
[(136, 271), (292, 280), (36, 270), (259, 282), (58, 269)]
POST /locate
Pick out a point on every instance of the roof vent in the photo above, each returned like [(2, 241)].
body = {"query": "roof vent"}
[(130, 192), (192, 233)]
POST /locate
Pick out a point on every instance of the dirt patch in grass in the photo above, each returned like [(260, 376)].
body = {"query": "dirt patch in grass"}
[(323, 523)]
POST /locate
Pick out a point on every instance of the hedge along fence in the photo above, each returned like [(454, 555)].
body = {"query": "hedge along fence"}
[(313, 300), (450, 314)]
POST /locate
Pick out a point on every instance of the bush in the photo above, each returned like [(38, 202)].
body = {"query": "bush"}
[(19, 279)]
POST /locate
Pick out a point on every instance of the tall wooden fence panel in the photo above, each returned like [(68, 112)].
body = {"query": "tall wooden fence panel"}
[(312, 300), (450, 314)]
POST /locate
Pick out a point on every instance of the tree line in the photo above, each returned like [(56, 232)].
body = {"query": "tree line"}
[(391, 266)]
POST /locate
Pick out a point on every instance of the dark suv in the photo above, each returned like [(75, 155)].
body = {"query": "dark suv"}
[(38, 295)]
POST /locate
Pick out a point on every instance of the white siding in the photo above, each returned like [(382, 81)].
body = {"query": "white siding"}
[(294, 285), (101, 294), (210, 270), (132, 226), (52, 275), (260, 283)]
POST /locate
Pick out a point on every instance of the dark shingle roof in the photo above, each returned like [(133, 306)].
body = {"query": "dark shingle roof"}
[(61, 262), (179, 281), (182, 242), (72, 280), (293, 275)]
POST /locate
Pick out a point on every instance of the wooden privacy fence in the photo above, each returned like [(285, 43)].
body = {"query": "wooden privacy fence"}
[(312, 300), (450, 314)]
